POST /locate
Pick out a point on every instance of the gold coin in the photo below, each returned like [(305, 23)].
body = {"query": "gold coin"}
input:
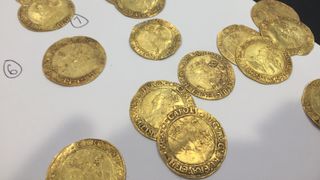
[(231, 37), (88, 159), (206, 75), (261, 60), (111, 1), (311, 101), (139, 8), (271, 10), (74, 61), (155, 39), (292, 35), (45, 15), (153, 101), (192, 143)]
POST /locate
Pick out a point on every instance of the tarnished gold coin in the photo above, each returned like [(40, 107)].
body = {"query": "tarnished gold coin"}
[(231, 37), (192, 143), (155, 39), (311, 101), (139, 8), (153, 101), (45, 15), (292, 35), (271, 10), (88, 159), (74, 61), (206, 75), (261, 60)]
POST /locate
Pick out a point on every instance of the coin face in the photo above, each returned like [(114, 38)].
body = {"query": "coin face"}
[(153, 101), (231, 37), (261, 60), (271, 10), (139, 8), (192, 143), (88, 159), (48, 15), (155, 39), (74, 61), (311, 101), (292, 35), (206, 75)]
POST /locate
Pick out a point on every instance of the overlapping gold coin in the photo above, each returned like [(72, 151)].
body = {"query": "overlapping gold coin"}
[(271, 10), (206, 75), (231, 37), (153, 101), (45, 15), (139, 8), (74, 61), (155, 39), (192, 143), (311, 101), (261, 60), (88, 159), (292, 35)]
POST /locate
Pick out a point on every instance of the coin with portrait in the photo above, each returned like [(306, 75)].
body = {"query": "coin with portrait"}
[(139, 8), (92, 159), (74, 61), (153, 101), (311, 101), (263, 61), (192, 143), (155, 39), (45, 15)]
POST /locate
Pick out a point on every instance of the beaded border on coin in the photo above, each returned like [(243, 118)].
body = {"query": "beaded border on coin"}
[(306, 104)]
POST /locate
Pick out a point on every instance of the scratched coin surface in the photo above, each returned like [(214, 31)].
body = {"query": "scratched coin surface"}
[(155, 39), (192, 143), (206, 75), (153, 101), (74, 61), (271, 10), (292, 35), (139, 8), (231, 37), (88, 159), (311, 101), (262, 61), (45, 15)]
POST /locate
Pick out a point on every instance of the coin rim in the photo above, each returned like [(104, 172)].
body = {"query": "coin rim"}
[(61, 43), (211, 95), (260, 78), (78, 145), (175, 45), (210, 120), (144, 90), (28, 24), (306, 104)]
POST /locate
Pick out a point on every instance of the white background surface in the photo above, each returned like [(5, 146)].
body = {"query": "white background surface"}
[(269, 136)]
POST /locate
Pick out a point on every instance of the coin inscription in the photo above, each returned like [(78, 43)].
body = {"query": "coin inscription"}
[(192, 143), (311, 101), (139, 8), (153, 101), (88, 159), (155, 39), (74, 61)]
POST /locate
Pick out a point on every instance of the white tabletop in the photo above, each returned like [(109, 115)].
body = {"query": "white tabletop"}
[(269, 136)]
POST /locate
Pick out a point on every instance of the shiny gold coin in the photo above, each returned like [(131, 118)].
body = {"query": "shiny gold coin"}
[(192, 143), (139, 8), (74, 61), (88, 159), (292, 35), (45, 15), (206, 75), (311, 101), (153, 101), (231, 37), (264, 62), (271, 10), (155, 39)]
